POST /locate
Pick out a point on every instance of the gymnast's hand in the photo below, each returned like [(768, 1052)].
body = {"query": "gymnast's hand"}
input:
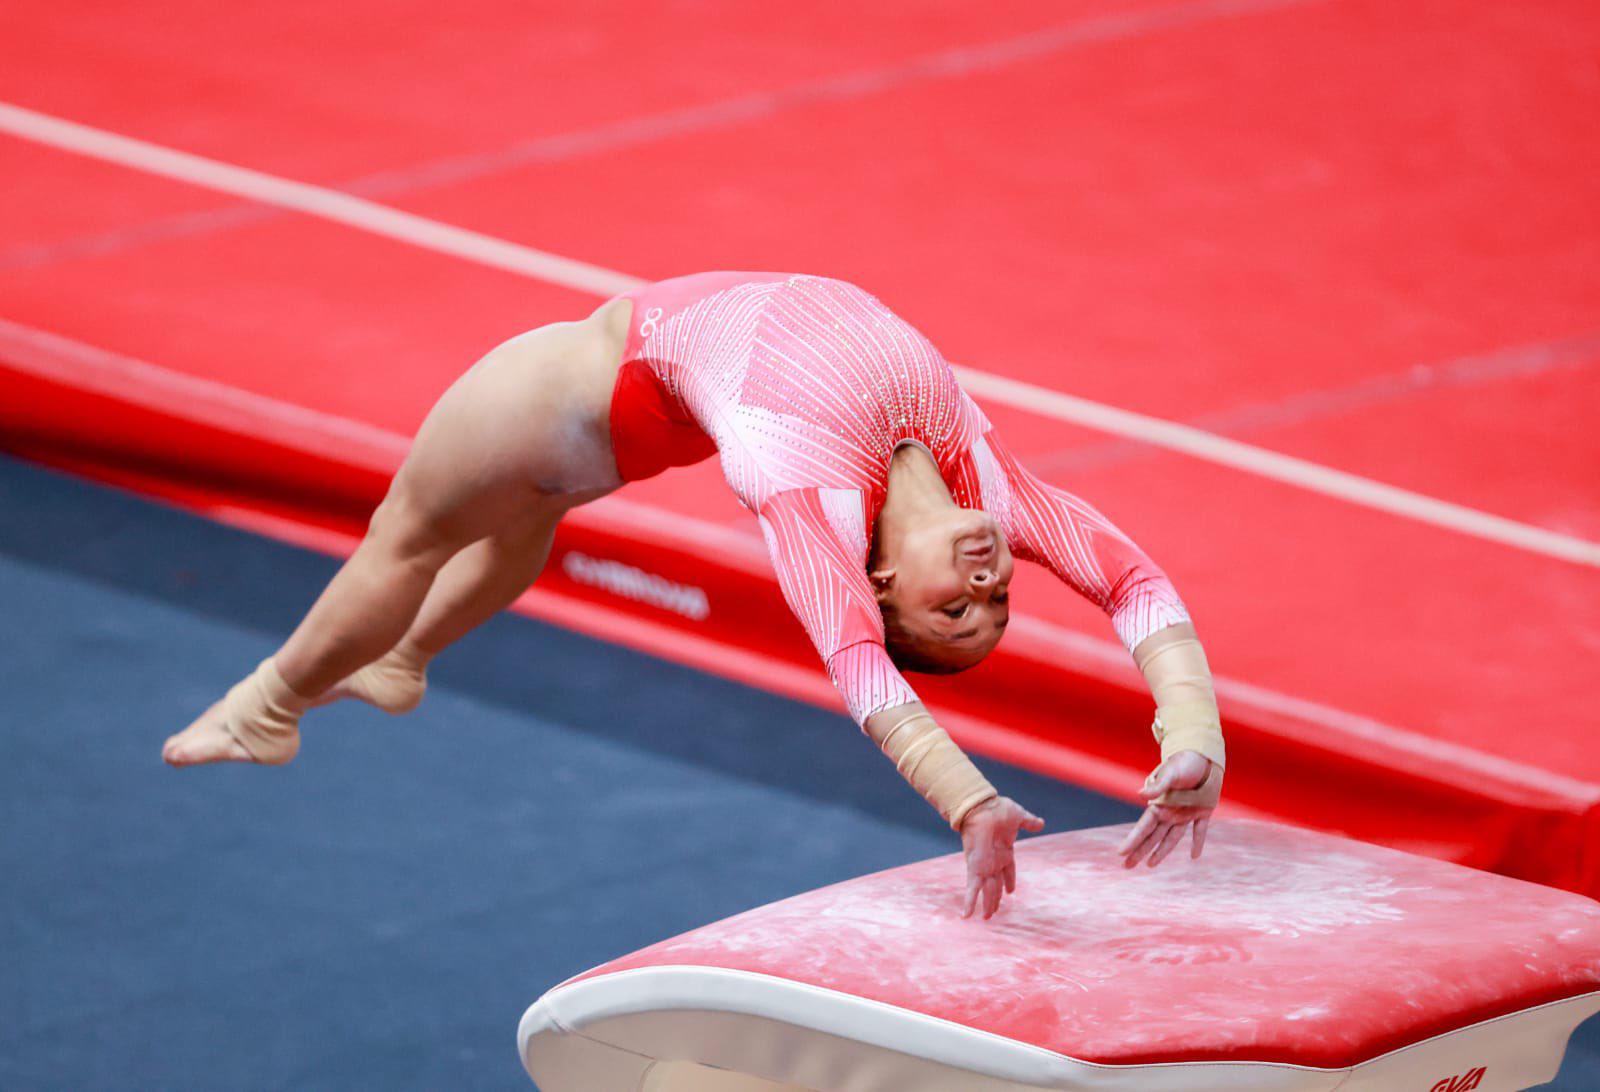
[(1188, 786), (987, 835)]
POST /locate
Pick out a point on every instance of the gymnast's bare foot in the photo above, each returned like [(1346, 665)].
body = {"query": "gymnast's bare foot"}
[(206, 740), (395, 683)]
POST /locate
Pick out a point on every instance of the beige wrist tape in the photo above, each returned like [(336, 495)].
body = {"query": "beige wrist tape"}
[(928, 758), (263, 714), (1174, 666)]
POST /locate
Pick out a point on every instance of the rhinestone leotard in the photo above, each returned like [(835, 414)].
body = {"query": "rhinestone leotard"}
[(804, 386)]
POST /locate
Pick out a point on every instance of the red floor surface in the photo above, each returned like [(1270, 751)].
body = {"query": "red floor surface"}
[(1364, 235)]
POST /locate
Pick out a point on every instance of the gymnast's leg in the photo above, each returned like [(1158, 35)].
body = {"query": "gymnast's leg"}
[(471, 472), (476, 584)]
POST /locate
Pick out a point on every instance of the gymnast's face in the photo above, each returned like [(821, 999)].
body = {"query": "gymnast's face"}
[(944, 593)]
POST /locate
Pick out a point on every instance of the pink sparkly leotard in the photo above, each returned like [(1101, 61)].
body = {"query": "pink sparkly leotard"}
[(804, 386)]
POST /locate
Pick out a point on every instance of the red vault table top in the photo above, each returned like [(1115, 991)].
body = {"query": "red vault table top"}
[(1283, 959)]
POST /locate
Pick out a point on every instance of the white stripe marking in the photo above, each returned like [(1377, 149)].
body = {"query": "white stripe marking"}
[(419, 231), (959, 63), (1264, 463), (318, 201)]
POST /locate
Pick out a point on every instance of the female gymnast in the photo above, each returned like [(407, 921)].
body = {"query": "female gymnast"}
[(891, 510)]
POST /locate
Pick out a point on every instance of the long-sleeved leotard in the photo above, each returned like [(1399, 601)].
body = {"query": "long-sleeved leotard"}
[(804, 386)]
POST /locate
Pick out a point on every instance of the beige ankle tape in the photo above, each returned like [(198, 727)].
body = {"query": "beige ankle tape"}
[(263, 714), (1174, 667), (396, 683), (929, 759)]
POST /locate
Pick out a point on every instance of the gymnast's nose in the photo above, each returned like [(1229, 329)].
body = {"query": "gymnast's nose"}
[(983, 580)]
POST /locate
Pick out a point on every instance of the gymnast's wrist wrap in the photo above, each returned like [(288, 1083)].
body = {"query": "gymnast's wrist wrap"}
[(1174, 666), (263, 715), (930, 760)]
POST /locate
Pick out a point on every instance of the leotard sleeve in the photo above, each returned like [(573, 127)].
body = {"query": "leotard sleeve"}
[(1051, 527), (818, 542)]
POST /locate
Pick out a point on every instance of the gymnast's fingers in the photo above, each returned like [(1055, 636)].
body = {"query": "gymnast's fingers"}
[(1146, 833), (1200, 826), (1011, 878), (970, 903), (1169, 842), (1140, 831), (1148, 843), (991, 896)]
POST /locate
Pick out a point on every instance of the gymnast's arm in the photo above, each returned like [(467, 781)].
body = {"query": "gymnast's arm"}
[(1053, 528), (817, 545)]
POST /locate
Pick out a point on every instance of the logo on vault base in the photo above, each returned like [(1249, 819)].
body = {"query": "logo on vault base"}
[(1470, 1079)]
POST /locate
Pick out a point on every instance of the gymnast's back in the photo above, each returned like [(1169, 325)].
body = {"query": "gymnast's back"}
[(797, 381)]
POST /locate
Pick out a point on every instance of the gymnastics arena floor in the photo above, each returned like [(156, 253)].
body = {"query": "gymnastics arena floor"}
[(376, 914)]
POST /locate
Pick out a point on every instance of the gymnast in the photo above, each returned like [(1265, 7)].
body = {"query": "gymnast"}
[(891, 510)]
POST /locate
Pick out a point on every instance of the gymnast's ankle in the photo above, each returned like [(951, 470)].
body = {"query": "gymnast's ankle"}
[(394, 683), (262, 714)]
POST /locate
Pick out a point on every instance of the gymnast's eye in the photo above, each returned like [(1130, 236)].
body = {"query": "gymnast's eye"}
[(955, 612)]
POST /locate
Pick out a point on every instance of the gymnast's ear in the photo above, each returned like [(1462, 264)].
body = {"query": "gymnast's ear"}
[(882, 583)]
